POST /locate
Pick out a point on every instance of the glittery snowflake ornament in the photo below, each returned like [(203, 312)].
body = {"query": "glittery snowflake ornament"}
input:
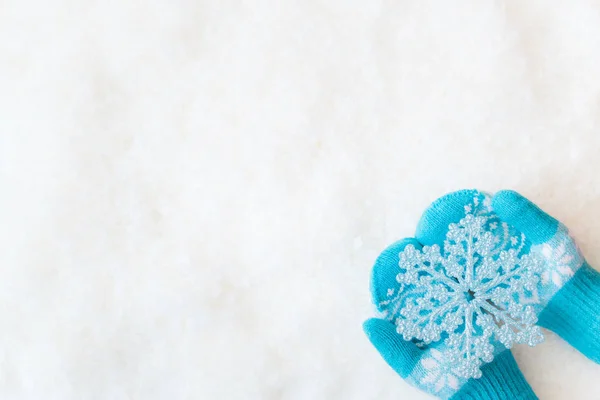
[(475, 293)]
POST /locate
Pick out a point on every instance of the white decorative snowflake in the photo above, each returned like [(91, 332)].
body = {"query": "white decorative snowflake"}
[(559, 264), (437, 374), (470, 295)]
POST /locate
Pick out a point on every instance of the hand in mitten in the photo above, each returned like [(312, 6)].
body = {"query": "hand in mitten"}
[(456, 355), (569, 291)]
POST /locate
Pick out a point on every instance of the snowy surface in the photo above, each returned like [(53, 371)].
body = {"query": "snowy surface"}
[(193, 192)]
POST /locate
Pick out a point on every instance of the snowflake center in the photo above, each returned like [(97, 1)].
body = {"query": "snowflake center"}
[(470, 295)]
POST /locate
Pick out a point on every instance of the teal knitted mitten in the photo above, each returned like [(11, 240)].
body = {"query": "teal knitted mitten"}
[(424, 361), (570, 288)]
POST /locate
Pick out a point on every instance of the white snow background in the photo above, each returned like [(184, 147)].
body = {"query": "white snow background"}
[(193, 192)]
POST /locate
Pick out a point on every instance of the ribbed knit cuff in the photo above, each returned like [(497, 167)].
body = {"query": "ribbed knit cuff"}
[(574, 312), (502, 380)]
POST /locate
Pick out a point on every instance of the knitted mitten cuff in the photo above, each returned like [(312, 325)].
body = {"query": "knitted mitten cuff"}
[(574, 312)]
